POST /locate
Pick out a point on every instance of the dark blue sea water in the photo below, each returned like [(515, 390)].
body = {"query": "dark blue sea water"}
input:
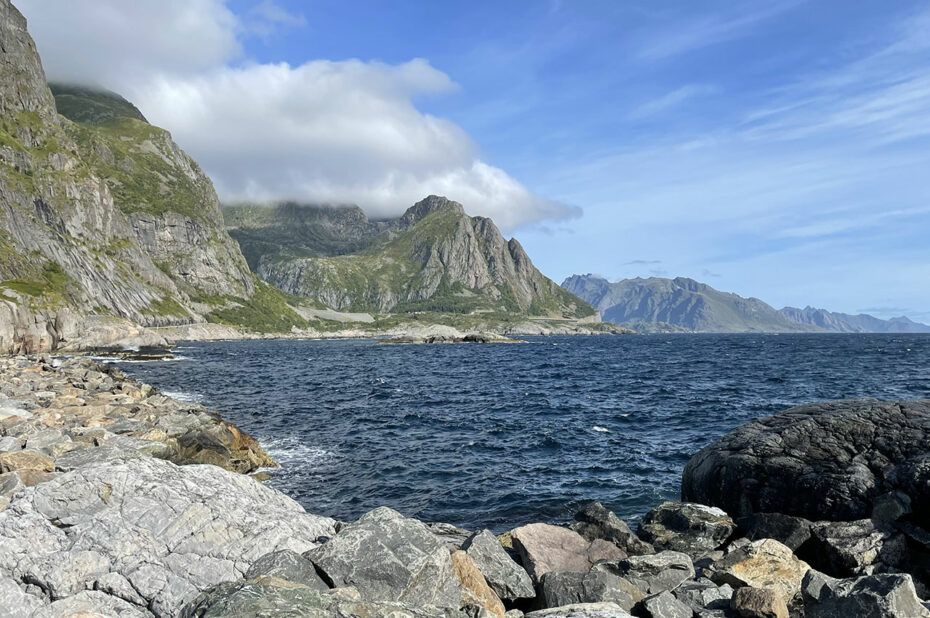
[(500, 435)]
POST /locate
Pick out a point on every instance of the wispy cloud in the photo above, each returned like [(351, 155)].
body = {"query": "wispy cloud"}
[(642, 262), (670, 100)]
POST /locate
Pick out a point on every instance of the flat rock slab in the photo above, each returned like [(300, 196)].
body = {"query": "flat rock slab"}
[(544, 548), (145, 533), (824, 462), (390, 558)]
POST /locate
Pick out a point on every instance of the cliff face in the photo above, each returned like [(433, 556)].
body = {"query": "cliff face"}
[(104, 218), (680, 302), (433, 258)]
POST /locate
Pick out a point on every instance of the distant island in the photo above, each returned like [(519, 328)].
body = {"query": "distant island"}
[(684, 305)]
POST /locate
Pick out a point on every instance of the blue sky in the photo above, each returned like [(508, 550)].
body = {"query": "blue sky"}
[(774, 149)]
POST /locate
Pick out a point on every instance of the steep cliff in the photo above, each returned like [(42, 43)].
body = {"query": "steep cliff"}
[(433, 258), (104, 223)]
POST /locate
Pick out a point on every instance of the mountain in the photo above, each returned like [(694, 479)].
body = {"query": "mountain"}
[(105, 224), (846, 323), (679, 302), (433, 258)]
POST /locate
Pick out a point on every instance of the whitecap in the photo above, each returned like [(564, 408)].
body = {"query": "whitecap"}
[(601, 429), (184, 396)]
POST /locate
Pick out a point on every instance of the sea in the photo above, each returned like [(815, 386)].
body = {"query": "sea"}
[(495, 436)]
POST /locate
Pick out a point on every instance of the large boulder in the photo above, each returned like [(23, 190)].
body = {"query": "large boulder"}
[(762, 564), (145, 533), (566, 588), (752, 602), (390, 558), (475, 590), (790, 531), (288, 565), (848, 548), (664, 605), (693, 529), (824, 462), (543, 548), (582, 610), (872, 596), (595, 521), (505, 577), (654, 573)]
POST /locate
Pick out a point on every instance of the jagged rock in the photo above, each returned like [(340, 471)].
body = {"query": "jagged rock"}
[(453, 537), (762, 564), (824, 462), (752, 602), (545, 548), (595, 521), (566, 588), (505, 577), (388, 557), (872, 596), (91, 604), (270, 596), (654, 573), (169, 531), (702, 594), (582, 610), (15, 602), (847, 548), (10, 485), (693, 529), (25, 460), (289, 566), (665, 605), (791, 532), (475, 590)]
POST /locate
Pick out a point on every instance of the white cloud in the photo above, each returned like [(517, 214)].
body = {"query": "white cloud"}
[(324, 131)]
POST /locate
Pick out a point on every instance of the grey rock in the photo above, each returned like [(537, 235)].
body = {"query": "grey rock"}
[(848, 548), (787, 530), (450, 535), (389, 557), (289, 566), (694, 529), (872, 596), (91, 604), (824, 462), (557, 589), (16, 602), (665, 605), (595, 521), (652, 574), (505, 577), (10, 443), (582, 610), (703, 594), (543, 548), (42, 440), (10, 485), (891, 507)]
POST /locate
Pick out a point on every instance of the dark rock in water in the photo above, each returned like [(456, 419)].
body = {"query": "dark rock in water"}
[(873, 596), (751, 602), (847, 548), (545, 548), (505, 577), (654, 573), (565, 588), (595, 521), (825, 461), (787, 530), (664, 605), (388, 557), (693, 529), (289, 566)]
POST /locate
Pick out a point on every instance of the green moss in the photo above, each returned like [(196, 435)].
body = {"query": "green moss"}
[(51, 284), (267, 311), (166, 306)]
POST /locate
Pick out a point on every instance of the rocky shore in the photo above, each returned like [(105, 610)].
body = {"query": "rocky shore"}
[(116, 500)]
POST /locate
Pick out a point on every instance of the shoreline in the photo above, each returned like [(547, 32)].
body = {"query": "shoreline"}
[(107, 507)]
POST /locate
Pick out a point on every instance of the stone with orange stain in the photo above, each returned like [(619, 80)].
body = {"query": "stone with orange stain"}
[(475, 590)]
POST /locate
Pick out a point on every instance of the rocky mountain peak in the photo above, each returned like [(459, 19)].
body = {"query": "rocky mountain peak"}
[(429, 205)]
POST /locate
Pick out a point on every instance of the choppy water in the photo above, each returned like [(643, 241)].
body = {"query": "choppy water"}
[(500, 435)]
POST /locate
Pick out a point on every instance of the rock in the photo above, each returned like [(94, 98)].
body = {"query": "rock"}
[(25, 460), (10, 485), (91, 604), (565, 588), (582, 610), (505, 577), (665, 605), (270, 596), (872, 596), (388, 557), (847, 548), (654, 573), (15, 602), (543, 548), (752, 602), (824, 462), (169, 531), (693, 529), (475, 590), (288, 565), (10, 443), (891, 507), (453, 537), (703, 594), (791, 532), (595, 521), (762, 564)]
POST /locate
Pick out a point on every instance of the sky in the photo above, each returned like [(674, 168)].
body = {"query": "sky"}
[(776, 149)]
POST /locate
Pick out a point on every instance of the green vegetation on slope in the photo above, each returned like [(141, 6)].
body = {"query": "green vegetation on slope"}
[(92, 105), (267, 311), (49, 286)]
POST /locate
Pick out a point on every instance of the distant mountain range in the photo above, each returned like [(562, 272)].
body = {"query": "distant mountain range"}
[(684, 305)]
